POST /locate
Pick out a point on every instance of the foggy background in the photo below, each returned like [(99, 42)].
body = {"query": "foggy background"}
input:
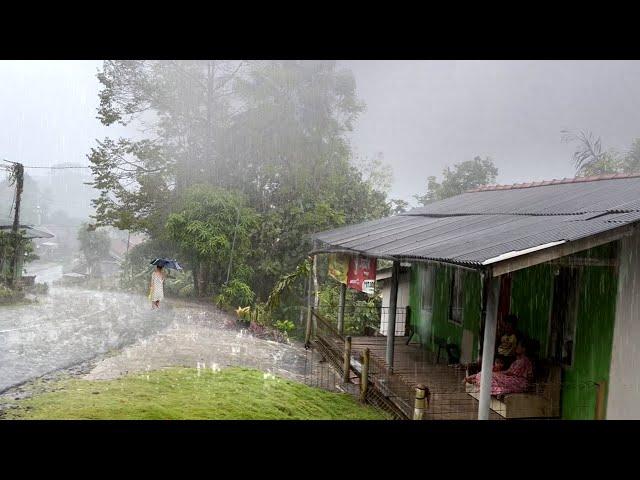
[(421, 115)]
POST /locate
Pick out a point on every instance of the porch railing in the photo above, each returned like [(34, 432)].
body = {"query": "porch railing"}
[(387, 387), (389, 392)]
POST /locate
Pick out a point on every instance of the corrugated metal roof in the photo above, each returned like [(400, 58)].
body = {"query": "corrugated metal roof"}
[(594, 178), (29, 232), (614, 195), (474, 227)]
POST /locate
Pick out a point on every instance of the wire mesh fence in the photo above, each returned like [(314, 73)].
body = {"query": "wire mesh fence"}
[(367, 320), (384, 391)]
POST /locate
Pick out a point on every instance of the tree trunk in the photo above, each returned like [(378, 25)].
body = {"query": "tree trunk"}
[(194, 272), (202, 279)]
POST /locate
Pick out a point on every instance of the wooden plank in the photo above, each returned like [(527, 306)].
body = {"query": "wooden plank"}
[(571, 261), (413, 366), (568, 248)]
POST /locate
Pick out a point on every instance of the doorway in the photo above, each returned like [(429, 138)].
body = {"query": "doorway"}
[(563, 316)]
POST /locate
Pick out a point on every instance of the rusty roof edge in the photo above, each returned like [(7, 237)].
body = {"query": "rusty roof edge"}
[(606, 211), (465, 265), (544, 183), (333, 249)]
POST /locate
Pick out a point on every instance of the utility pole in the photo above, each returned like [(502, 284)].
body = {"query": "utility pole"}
[(18, 175)]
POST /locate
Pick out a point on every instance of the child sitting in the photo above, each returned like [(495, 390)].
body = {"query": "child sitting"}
[(508, 341)]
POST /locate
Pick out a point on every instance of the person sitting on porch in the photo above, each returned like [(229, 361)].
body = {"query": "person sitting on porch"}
[(516, 379), (507, 348), (498, 364)]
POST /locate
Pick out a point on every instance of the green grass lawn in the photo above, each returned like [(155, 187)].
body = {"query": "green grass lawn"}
[(185, 394)]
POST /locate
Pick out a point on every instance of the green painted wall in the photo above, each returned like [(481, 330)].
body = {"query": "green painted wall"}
[(440, 324), (594, 338), (531, 297)]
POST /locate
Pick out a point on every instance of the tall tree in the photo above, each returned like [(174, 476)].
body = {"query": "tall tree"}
[(273, 131), (182, 108), (398, 206), (462, 177), (631, 162), (291, 157), (94, 245), (213, 229), (590, 158)]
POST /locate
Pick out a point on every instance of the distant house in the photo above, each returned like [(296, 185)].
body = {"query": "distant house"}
[(562, 255), (119, 245), (66, 237)]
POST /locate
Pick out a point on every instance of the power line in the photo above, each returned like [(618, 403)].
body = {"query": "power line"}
[(54, 168), (62, 167)]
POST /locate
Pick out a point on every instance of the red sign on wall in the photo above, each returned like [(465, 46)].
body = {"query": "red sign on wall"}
[(362, 274)]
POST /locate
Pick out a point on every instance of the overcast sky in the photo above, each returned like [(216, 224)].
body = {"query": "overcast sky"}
[(425, 115), (422, 115)]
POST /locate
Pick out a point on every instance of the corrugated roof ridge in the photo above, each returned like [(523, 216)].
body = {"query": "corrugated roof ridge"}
[(555, 181)]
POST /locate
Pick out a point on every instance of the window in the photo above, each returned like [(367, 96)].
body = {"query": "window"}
[(457, 300), (427, 281)]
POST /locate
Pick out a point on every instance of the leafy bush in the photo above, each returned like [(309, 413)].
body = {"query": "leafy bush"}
[(8, 295), (186, 291), (261, 315), (285, 326), (235, 294), (244, 315), (361, 310), (179, 284), (5, 293)]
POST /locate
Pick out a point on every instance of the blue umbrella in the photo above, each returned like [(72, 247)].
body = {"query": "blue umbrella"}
[(166, 263)]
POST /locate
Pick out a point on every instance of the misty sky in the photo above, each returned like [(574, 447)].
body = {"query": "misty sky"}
[(422, 115)]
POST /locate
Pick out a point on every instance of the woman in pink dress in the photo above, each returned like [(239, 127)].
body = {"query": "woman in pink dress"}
[(515, 379)]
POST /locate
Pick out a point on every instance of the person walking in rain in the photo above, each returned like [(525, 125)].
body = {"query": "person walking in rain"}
[(156, 288)]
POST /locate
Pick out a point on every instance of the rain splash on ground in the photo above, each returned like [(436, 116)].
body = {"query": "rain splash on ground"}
[(120, 332)]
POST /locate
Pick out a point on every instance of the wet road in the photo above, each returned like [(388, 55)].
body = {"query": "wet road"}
[(69, 326), (45, 272)]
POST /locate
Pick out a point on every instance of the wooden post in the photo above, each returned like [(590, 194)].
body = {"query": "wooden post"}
[(490, 326), (391, 317), (364, 375), (601, 388), (407, 322), (343, 295), (347, 360), (18, 171), (421, 402), (316, 291), (307, 334)]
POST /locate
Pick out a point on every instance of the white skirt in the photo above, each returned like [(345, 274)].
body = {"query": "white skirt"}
[(157, 290)]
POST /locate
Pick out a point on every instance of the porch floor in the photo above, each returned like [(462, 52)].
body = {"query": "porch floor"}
[(415, 365)]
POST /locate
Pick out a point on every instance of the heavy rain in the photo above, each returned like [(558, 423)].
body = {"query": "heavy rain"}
[(262, 239)]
